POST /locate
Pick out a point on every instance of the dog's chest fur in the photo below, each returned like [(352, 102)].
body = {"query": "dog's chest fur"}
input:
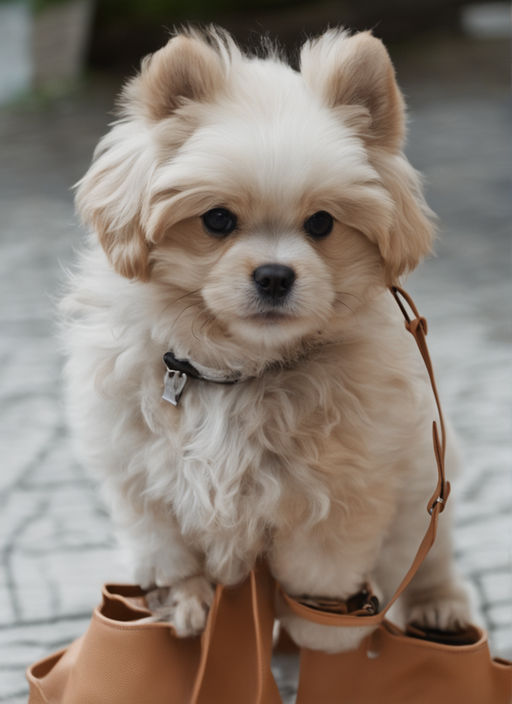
[(291, 448)]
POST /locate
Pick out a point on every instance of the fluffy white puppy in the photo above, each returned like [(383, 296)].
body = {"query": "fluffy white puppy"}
[(248, 218)]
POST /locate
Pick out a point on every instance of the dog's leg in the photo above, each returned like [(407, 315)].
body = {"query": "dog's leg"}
[(305, 564), (437, 596), (167, 567)]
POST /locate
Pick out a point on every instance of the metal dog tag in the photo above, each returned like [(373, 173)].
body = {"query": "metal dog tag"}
[(174, 383)]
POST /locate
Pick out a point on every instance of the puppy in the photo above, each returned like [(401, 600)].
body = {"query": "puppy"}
[(246, 219)]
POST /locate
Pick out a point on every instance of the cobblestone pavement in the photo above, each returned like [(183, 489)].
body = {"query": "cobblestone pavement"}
[(57, 545)]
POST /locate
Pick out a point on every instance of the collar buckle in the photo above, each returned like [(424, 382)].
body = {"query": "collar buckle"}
[(174, 383)]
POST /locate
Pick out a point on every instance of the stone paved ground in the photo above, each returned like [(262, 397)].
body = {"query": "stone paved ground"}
[(56, 541)]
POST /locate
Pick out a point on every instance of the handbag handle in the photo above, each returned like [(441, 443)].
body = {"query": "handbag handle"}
[(241, 615), (417, 326)]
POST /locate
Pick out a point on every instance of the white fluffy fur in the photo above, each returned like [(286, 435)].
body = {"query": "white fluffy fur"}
[(323, 462)]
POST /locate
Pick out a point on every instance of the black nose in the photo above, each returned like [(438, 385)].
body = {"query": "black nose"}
[(273, 281)]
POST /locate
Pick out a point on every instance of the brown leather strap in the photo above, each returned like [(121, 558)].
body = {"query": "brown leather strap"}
[(236, 645), (417, 326), (418, 329)]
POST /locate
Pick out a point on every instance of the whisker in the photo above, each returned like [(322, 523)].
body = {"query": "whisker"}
[(342, 302), (180, 298), (183, 311), (209, 319), (346, 293), (190, 293)]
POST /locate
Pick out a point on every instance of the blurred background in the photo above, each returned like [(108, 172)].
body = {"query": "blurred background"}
[(61, 64)]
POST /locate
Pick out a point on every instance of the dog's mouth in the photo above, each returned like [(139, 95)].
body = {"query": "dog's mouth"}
[(270, 316), (270, 328)]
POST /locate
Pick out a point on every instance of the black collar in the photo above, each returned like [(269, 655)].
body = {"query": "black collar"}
[(180, 370)]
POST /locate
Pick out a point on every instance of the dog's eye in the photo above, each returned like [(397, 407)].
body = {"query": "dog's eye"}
[(219, 221), (319, 225)]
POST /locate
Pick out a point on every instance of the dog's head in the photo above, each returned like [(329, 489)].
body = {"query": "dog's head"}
[(272, 201)]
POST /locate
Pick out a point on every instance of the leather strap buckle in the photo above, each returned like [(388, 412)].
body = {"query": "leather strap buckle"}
[(440, 498), (436, 501), (364, 603)]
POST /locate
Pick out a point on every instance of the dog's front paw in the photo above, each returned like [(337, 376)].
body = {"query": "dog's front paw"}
[(192, 599), (185, 605), (448, 610)]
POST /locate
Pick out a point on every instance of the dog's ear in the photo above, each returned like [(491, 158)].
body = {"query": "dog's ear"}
[(411, 235), (110, 197), (113, 194), (357, 71), (186, 68), (354, 75)]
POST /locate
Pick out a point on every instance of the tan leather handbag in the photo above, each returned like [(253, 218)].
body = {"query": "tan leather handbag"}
[(122, 660), (125, 659)]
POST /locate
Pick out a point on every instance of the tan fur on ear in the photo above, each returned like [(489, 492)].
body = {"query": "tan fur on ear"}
[(354, 76), (411, 236), (112, 197), (127, 250), (357, 70), (186, 68)]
